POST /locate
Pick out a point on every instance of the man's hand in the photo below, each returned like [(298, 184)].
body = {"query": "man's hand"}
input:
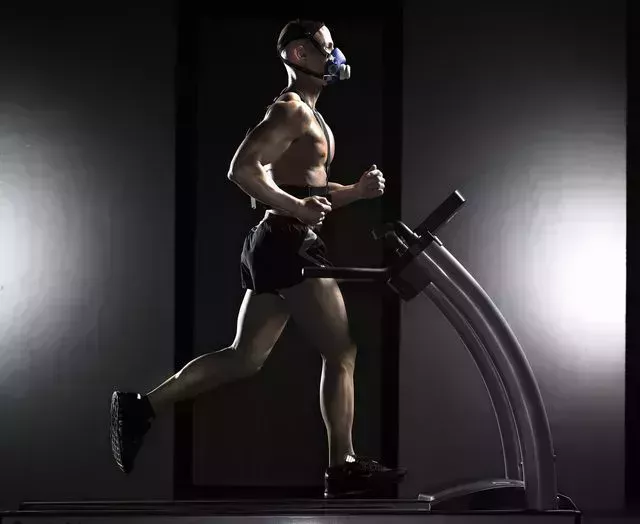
[(371, 183), (313, 210)]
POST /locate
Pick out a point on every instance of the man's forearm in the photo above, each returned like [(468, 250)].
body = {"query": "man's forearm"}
[(343, 195), (256, 182)]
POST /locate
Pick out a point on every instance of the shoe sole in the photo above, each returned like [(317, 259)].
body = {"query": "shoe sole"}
[(346, 494), (116, 447), (380, 485)]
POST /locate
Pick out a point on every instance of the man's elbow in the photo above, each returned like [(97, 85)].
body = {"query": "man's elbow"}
[(241, 171), (237, 176), (235, 171)]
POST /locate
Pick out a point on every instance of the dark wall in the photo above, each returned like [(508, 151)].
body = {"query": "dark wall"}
[(86, 235), (523, 110), (267, 431)]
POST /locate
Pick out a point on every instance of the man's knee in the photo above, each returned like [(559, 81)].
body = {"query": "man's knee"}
[(247, 360), (343, 355)]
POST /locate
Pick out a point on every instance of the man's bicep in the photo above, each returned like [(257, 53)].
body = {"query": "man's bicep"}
[(266, 142)]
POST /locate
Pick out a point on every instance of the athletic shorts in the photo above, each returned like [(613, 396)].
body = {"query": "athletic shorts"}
[(276, 250)]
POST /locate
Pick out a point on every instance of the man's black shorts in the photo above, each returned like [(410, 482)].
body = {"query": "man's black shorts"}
[(276, 250)]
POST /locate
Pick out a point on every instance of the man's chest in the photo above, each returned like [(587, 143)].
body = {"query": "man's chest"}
[(323, 136)]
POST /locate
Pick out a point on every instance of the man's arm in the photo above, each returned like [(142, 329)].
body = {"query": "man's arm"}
[(343, 195), (285, 122)]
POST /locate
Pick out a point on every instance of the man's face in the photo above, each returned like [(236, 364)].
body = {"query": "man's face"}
[(315, 59)]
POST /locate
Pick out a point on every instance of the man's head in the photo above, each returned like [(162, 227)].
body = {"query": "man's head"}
[(307, 46)]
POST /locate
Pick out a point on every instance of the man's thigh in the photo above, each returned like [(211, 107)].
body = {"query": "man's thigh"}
[(317, 307)]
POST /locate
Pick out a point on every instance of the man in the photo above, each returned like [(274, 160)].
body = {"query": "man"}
[(284, 163)]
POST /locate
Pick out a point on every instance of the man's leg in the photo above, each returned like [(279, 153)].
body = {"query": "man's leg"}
[(261, 320), (317, 307)]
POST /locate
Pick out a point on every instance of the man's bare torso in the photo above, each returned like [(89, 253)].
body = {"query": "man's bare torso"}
[(303, 163)]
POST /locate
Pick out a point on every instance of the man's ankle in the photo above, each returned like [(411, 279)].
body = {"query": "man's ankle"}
[(341, 460)]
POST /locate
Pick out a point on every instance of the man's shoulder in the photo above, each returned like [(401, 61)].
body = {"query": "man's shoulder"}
[(289, 107), (289, 96)]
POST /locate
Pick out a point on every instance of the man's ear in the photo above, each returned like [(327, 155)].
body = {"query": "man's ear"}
[(299, 53)]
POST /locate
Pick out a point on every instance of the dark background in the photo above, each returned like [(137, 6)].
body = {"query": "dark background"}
[(87, 191), (102, 138)]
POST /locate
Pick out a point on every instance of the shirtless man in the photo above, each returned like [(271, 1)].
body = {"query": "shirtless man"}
[(283, 162)]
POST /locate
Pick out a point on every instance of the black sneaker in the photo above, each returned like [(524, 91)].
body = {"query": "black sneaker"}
[(131, 416), (360, 476)]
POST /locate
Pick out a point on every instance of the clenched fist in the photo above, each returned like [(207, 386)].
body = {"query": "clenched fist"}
[(313, 210), (371, 183)]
